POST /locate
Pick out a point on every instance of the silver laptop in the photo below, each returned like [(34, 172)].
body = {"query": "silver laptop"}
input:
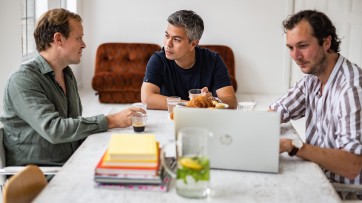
[(247, 141)]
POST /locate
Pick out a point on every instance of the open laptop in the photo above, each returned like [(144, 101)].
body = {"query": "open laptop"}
[(247, 141)]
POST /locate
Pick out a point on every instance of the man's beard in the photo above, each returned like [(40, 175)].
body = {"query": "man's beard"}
[(320, 66)]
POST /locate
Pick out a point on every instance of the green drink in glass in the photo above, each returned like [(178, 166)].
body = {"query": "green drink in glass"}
[(193, 165), (193, 176)]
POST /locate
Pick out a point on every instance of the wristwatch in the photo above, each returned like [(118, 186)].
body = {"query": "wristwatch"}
[(297, 144)]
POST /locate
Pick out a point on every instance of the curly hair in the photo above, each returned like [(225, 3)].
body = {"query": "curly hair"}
[(190, 21), (322, 26), (51, 22)]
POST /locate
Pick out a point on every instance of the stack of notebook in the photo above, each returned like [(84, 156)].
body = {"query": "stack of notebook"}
[(132, 161)]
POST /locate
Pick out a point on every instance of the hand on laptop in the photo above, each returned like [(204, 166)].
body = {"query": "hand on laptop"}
[(285, 145)]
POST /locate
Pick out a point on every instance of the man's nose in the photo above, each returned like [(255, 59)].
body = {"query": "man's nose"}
[(296, 54), (169, 42)]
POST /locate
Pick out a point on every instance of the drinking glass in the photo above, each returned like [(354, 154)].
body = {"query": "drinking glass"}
[(140, 105), (171, 102), (193, 165), (139, 122), (194, 93), (247, 106)]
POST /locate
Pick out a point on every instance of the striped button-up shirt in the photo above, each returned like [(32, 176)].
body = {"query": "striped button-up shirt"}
[(334, 117)]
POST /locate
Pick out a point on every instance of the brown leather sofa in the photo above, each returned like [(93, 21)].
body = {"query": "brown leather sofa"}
[(227, 55), (120, 69)]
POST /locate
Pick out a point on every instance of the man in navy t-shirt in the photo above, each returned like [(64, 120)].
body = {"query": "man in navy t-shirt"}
[(181, 65)]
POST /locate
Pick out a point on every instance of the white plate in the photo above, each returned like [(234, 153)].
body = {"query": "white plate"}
[(226, 106)]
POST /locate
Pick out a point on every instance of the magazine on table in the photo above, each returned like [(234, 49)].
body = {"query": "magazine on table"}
[(137, 182)]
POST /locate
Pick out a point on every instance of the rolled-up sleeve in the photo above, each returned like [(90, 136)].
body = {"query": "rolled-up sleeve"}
[(292, 104), (349, 127)]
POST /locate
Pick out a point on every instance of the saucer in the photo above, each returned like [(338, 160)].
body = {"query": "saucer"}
[(221, 106)]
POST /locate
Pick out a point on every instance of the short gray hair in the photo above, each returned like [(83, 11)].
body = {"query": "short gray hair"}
[(190, 21)]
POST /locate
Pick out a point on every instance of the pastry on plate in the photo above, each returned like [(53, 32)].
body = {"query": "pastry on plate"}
[(200, 102)]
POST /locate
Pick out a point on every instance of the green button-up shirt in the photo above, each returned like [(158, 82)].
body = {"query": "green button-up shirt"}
[(42, 124)]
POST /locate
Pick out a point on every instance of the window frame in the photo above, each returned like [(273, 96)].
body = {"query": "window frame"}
[(38, 8), (28, 19)]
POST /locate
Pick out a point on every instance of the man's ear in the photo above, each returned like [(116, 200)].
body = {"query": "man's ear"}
[(58, 38), (327, 43), (194, 43)]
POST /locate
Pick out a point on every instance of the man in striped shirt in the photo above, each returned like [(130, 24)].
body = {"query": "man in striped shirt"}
[(329, 97)]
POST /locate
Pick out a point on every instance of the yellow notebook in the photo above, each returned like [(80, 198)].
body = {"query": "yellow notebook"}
[(133, 147)]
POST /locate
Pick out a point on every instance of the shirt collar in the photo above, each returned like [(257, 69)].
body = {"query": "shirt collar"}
[(45, 68), (44, 65), (333, 75)]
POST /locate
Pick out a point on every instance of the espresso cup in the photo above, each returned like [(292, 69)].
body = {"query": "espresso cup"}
[(139, 122)]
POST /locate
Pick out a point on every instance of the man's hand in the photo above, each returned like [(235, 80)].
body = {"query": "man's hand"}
[(123, 118), (338, 161), (285, 145), (205, 92)]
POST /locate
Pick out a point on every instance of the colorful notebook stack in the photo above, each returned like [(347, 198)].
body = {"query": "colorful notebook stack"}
[(132, 161)]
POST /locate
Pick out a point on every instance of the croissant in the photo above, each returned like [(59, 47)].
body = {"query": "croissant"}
[(200, 102)]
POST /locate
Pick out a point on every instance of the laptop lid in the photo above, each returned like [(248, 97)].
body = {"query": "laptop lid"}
[(247, 141)]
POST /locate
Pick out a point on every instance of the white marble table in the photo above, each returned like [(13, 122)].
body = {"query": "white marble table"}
[(297, 180)]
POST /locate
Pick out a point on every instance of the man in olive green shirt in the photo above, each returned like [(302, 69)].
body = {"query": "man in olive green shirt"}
[(42, 115)]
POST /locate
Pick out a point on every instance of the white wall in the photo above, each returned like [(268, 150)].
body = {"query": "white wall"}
[(252, 28), (10, 41)]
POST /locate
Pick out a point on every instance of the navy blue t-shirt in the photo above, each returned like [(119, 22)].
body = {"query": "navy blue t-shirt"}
[(209, 71)]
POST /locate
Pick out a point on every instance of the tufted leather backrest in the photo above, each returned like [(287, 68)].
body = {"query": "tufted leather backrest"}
[(120, 69), (124, 57), (227, 55)]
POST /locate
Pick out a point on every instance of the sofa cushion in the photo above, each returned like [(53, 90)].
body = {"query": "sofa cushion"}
[(115, 81), (120, 69)]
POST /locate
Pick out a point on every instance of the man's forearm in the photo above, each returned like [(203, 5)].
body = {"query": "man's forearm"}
[(156, 101), (335, 160), (231, 101)]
